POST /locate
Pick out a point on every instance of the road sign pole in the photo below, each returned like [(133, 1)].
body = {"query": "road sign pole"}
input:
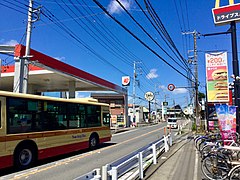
[(149, 113)]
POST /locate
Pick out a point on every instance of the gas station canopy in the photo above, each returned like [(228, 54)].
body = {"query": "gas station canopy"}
[(47, 74)]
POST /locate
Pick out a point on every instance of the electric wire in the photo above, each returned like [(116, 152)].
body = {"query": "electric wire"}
[(143, 43), (147, 81), (158, 21), (125, 53), (13, 8), (149, 34), (113, 48), (77, 39), (123, 49), (96, 36), (156, 29)]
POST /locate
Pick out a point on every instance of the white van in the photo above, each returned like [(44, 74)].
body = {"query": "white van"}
[(172, 122)]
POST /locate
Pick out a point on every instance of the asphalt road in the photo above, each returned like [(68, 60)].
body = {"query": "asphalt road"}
[(83, 162)]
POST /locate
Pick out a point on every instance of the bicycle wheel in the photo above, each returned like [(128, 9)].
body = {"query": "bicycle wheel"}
[(234, 174), (207, 149), (215, 167), (199, 140), (196, 140), (202, 143)]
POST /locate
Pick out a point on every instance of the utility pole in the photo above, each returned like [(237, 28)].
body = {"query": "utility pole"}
[(27, 51), (21, 63), (198, 121), (134, 89), (135, 74), (164, 107), (195, 35), (155, 99)]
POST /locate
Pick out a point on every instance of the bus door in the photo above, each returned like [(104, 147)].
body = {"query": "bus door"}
[(2, 125)]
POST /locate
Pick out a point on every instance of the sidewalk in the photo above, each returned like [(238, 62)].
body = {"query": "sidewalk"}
[(181, 162)]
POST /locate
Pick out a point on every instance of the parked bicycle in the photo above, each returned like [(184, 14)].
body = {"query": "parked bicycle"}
[(220, 158)]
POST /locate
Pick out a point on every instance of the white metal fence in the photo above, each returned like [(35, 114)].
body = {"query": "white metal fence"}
[(133, 165)]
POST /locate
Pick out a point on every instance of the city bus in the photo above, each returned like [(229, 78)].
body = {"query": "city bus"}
[(35, 127)]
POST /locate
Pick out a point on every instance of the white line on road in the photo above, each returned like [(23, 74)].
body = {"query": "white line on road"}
[(195, 174), (124, 132)]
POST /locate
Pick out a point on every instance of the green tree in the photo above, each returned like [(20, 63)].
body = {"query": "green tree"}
[(201, 95)]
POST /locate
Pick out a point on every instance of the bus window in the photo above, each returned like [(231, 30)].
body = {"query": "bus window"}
[(93, 116), (19, 117), (76, 116), (82, 115), (54, 115)]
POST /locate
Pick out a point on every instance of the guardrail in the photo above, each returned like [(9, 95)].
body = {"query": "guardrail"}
[(132, 165)]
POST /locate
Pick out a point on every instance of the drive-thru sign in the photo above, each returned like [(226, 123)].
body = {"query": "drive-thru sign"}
[(226, 14)]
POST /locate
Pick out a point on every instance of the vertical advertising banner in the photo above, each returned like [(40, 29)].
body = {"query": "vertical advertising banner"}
[(232, 117), (217, 77), (226, 120)]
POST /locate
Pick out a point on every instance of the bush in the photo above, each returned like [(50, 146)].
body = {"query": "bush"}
[(194, 127)]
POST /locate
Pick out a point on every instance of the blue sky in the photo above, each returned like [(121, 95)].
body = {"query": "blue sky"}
[(105, 49)]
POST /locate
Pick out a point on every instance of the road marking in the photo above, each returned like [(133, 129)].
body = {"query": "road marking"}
[(65, 161), (124, 132), (196, 166)]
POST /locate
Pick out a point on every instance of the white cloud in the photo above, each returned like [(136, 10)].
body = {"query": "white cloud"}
[(164, 88), (175, 91), (60, 58), (152, 74), (180, 91), (114, 7), (11, 43)]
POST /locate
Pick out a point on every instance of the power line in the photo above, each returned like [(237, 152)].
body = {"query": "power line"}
[(14, 8), (148, 34), (77, 39), (159, 23), (144, 44)]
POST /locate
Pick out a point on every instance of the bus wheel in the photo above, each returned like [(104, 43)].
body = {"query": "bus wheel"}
[(24, 157), (93, 142)]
